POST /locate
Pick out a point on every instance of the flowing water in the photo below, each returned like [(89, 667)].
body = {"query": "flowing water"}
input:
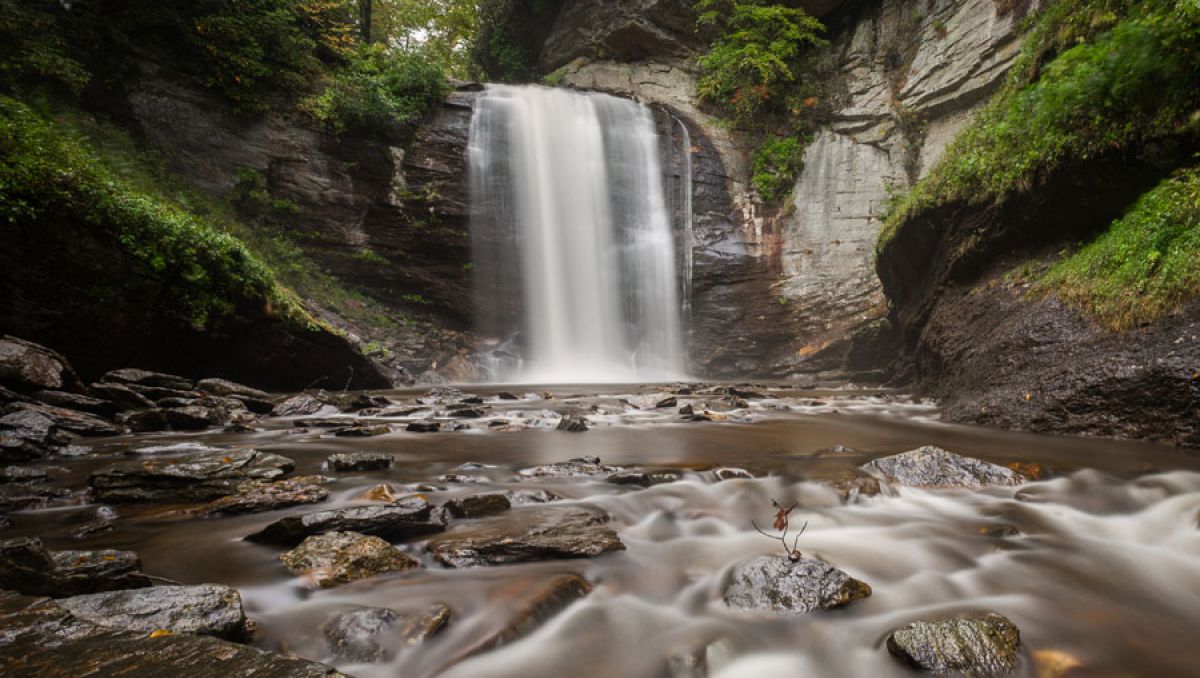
[(1099, 559), (570, 216)]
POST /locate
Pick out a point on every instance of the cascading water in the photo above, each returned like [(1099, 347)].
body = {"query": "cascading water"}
[(568, 199)]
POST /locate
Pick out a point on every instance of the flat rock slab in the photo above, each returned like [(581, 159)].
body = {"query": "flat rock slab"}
[(342, 557), (302, 405), (405, 519), (934, 467), (645, 478), (132, 375), (256, 496), (574, 468), (360, 461), (977, 646), (74, 421), (42, 638), (28, 567), (198, 477), (776, 584), (373, 634), (207, 610), (527, 534), (477, 505)]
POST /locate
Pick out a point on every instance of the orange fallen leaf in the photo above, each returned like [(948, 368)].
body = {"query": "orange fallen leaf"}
[(159, 633)]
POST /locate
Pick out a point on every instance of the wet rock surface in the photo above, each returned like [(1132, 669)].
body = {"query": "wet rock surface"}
[(404, 519), (336, 558), (360, 461), (207, 609), (982, 646), (776, 584), (258, 496), (573, 424), (477, 506), (527, 534), (644, 478), (26, 566), (373, 634), (42, 638), (934, 467), (197, 477), (574, 468)]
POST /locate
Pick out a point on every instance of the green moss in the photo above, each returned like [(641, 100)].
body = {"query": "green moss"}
[(1126, 74), (47, 175), (775, 166), (1145, 266)]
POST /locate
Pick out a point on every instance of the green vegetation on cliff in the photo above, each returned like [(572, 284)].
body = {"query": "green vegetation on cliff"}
[(1094, 77), (1145, 266), (48, 175)]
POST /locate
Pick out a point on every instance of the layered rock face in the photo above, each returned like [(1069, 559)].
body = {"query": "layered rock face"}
[(772, 287), (385, 216)]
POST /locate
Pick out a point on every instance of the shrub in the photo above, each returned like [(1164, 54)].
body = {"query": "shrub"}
[(34, 47), (378, 88), (775, 166), (755, 61)]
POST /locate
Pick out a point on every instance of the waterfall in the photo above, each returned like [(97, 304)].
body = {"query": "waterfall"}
[(574, 255)]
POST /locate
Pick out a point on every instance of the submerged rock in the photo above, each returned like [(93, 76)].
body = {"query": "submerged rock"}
[(477, 506), (42, 638), (336, 558), (934, 467), (28, 567), (573, 468), (371, 634), (525, 535), (529, 603), (19, 496), (975, 646), (572, 424), (531, 496), (407, 518), (257, 496), (207, 609), (776, 584), (359, 461), (644, 478), (198, 477), (849, 483)]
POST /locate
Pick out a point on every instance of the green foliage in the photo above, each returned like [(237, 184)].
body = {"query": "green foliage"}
[(755, 62), (254, 202), (1113, 90), (775, 166), (1145, 266), (48, 176), (378, 88), (443, 30), (34, 49), (510, 34)]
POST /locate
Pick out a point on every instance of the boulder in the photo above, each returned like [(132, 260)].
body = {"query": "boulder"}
[(334, 558), (76, 401), (423, 427), (207, 610), (124, 397), (731, 473), (934, 467), (75, 422), (224, 387), (849, 483), (986, 645), (527, 534), (369, 634), (777, 584), (574, 468), (477, 506), (26, 366), (28, 567), (198, 477), (132, 375), (147, 420), (666, 402), (302, 405), (41, 638), (405, 519), (257, 496), (644, 478), (193, 418), (572, 424)]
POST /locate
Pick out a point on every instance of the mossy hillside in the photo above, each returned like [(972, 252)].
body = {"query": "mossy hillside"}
[(47, 175), (1093, 77), (1146, 265)]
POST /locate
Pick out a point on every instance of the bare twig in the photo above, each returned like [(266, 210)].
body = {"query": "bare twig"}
[(781, 523)]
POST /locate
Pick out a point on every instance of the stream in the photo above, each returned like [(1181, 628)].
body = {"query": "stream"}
[(1096, 560)]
